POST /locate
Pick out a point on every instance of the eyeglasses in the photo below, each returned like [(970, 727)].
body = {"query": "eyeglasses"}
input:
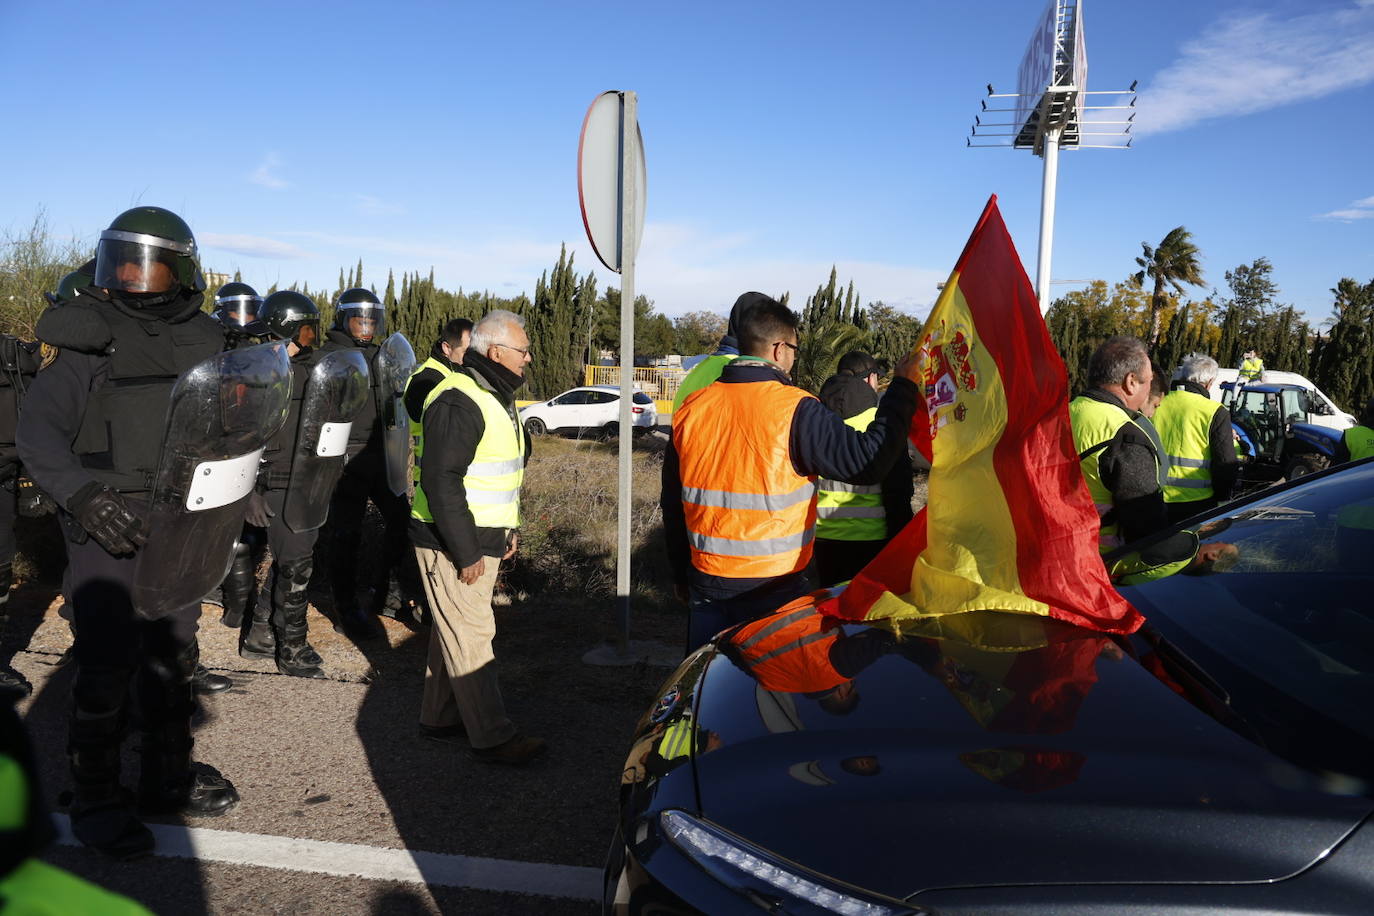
[(791, 346), (523, 351)]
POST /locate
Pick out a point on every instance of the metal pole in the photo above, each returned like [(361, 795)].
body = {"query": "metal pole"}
[(1047, 194), (629, 120)]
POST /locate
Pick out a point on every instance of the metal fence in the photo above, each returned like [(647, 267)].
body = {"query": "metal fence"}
[(659, 384)]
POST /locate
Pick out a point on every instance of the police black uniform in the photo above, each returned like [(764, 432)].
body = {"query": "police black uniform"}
[(90, 435), (279, 628), (364, 478), (18, 363)]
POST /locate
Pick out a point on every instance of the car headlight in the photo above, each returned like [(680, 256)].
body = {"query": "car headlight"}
[(765, 879)]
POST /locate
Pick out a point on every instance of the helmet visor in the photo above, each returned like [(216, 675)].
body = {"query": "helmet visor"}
[(238, 311), (363, 321), (134, 267), (307, 333)]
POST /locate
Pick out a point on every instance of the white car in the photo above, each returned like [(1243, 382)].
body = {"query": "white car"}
[(594, 409), (1322, 411)]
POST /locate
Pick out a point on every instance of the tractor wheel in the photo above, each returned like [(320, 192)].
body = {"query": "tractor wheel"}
[(1302, 465), (535, 427)]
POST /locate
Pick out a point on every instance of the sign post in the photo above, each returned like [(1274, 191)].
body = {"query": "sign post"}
[(611, 184)]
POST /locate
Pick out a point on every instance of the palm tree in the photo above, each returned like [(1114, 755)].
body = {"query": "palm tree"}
[(1173, 263)]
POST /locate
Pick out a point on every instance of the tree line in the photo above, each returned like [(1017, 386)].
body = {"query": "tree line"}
[(570, 321), (1337, 353)]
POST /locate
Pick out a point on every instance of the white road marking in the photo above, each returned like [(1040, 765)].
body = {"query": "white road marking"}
[(376, 863)]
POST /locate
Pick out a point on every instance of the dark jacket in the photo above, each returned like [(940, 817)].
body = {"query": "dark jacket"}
[(18, 362), (820, 445), (848, 395), (423, 382), (281, 448), (98, 411), (453, 425), (1129, 470), (1222, 441)]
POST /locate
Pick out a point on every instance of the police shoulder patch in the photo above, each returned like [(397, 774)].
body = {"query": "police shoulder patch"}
[(49, 355)]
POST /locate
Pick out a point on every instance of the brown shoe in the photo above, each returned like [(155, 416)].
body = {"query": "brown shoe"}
[(515, 751)]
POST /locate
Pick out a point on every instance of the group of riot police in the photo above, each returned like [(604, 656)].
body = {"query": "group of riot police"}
[(176, 444)]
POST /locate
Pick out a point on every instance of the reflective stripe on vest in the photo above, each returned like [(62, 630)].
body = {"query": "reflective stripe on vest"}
[(493, 479), (749, 513), (847, 511), (1359, 441), (417, 433), (1095, 424), (1184, 421), (1251, 369)]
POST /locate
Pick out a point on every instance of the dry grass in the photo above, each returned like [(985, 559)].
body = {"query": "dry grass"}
[(568, 522)]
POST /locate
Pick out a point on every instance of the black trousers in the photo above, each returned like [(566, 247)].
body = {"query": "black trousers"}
[(364, 478), (840, 561), (115, 647), (9, 510)]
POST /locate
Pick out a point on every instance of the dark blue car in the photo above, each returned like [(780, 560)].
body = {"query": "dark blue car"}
[(1219, 760)]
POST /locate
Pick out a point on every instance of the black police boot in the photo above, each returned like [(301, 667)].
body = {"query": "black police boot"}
[(12, 683), (101, 810), (168, 781), (239, 585), (259, 641), (171, 783), (205, 681), (295, 655)]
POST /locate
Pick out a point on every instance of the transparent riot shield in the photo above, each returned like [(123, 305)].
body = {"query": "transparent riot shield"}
[(221, 414), (394, 364), (334, 393)]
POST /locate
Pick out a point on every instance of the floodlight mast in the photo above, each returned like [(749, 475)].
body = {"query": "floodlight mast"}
[(1050, 99)]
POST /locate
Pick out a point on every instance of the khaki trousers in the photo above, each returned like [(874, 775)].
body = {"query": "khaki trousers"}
[(460, 680)]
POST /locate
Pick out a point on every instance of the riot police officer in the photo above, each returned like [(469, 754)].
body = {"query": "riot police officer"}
[(359, 325), (90, 435), (18, 363), (295, 483), (237, 306)]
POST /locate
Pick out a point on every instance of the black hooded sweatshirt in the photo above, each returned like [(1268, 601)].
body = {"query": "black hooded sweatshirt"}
[(849, 395)]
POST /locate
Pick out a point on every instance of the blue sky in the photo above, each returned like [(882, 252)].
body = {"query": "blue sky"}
[(781, 137)]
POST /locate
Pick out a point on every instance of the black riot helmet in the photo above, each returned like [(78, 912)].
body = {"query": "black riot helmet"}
[(292, 316), (361, 315), (237, 305), (73, 283), (148, 252)]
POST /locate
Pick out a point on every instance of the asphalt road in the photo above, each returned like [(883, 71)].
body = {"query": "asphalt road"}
[(340, 761)]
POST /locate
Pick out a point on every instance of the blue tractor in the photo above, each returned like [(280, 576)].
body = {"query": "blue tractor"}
[(1274, 437)]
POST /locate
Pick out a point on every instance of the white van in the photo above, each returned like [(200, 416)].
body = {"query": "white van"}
[(1322, 410)]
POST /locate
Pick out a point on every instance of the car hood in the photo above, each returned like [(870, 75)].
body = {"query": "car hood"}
[(1042, 754)]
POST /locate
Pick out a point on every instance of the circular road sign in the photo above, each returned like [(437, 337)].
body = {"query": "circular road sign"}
[(598, 174)]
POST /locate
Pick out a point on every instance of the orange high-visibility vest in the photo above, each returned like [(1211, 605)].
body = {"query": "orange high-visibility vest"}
[(789, 650), (750, 515)]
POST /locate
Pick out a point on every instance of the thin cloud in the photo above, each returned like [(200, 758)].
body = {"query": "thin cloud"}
[(266, 176), (1249, 63), (375, 206), (254, 246), (1360, 209)]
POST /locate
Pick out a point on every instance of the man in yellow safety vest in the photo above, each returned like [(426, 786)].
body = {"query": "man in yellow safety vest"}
[(464, 523)]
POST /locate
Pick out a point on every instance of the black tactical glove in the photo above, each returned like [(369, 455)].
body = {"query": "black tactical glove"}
[(108, 519), (259, 514), (33, 501)]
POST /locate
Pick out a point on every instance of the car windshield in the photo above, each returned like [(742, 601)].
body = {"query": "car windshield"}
[(1284, 618)]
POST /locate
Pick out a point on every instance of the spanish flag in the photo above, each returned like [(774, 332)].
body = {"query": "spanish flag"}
[(1008, 523)]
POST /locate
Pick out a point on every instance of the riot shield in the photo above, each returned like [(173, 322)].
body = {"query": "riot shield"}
[(394, 364), (334, 393), (221, 414)]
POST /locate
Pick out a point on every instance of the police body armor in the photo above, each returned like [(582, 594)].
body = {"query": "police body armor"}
[(393, 365), (124, 422), (335, 391), (221, 415)]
